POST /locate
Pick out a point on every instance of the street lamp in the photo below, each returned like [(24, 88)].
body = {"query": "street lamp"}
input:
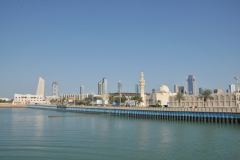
[(92, 99)]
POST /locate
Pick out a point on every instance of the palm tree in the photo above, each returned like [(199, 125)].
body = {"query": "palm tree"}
[(179, 97), (205, 95), (110, 98), (158, 103)]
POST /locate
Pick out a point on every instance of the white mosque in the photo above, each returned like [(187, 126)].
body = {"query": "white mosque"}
[(163, 94)]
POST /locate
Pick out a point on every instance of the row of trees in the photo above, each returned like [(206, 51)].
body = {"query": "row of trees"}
[(205, 95), (4, 101), (87, 101)]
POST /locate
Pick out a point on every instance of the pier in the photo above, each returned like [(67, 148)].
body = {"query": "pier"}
[(223, 115)]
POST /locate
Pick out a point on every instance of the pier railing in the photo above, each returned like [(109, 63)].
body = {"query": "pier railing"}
[(192, 114)]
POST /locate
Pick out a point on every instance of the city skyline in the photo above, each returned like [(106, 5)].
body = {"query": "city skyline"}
[(77, 43)]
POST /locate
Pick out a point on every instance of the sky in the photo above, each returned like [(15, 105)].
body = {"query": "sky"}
[(77, 43)]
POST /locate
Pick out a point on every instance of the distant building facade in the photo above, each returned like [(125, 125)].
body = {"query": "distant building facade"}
[(232, 88), (191, 85), (176, 88), (218, 91), (81, 89), (200, 90), (181, 89), (220, 100), (119, 86), (55, 89), (32, 99), (137, 88), (102, 87)]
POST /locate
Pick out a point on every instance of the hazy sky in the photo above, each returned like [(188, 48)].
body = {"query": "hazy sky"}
[(80, 42)]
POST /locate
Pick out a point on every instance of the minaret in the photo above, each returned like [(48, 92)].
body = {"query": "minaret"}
[(142, 84)]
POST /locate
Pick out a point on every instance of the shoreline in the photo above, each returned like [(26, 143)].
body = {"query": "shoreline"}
[(12, 106)]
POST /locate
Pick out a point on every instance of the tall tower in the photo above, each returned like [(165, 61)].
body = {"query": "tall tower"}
[(142, 85), (100, 88), (81, 89), (191, 85), (119, 86), (104, 89), (55, 89), (232, 88), (136, 88), (40, 89), (176, 88)]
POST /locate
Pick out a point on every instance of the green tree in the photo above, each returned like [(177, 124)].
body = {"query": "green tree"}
[(205, 95), (179, 97), (138, 99), (158, 103), (110, 98)]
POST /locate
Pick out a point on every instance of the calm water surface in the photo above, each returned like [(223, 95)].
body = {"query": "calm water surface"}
[(47, 134)]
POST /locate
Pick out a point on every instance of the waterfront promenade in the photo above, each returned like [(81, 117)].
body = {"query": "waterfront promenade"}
[(9, 105), (178, 109), (191, 114)]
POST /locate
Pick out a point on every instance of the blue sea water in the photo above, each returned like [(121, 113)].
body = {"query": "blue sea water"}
[(49, 134)]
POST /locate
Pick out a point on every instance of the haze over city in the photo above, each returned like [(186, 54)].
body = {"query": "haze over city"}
[(77, 43)]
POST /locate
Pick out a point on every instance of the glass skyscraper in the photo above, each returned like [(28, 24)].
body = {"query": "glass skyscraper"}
[(191, 85), (136, 88)]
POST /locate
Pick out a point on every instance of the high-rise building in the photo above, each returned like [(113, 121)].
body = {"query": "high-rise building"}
[(40, 89), (119, 86), (181, 89), (232, 88), (100, 88), (136, 88), (191, 85), (176, 88), (227, 91), (153, 90), (81, 89), (218, 91), (200, 90), (104, 90), (55, 89)]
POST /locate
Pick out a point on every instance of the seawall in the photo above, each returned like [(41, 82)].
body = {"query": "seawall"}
[(223, 115), (9, 105)]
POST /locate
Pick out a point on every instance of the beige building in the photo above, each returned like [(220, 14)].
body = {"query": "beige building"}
[(220, 100), (218, 91), (163, 95)]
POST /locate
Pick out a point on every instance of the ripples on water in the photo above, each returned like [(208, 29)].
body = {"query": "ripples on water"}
[(46, 134)]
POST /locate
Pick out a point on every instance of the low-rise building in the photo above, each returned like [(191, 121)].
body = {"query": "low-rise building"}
[(220, 100)]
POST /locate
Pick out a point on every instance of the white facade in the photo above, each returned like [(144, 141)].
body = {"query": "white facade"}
[(142, 85), (28, 99), (40, 89), (163, 95), (81, 89), (232, 88), (32, 99), (176, 88)]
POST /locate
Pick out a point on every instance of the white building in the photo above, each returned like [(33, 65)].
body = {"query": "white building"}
[(163, 95), (32, 99), (232, 88)]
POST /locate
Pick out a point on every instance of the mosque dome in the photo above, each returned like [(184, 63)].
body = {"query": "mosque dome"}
[(163, 89)]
